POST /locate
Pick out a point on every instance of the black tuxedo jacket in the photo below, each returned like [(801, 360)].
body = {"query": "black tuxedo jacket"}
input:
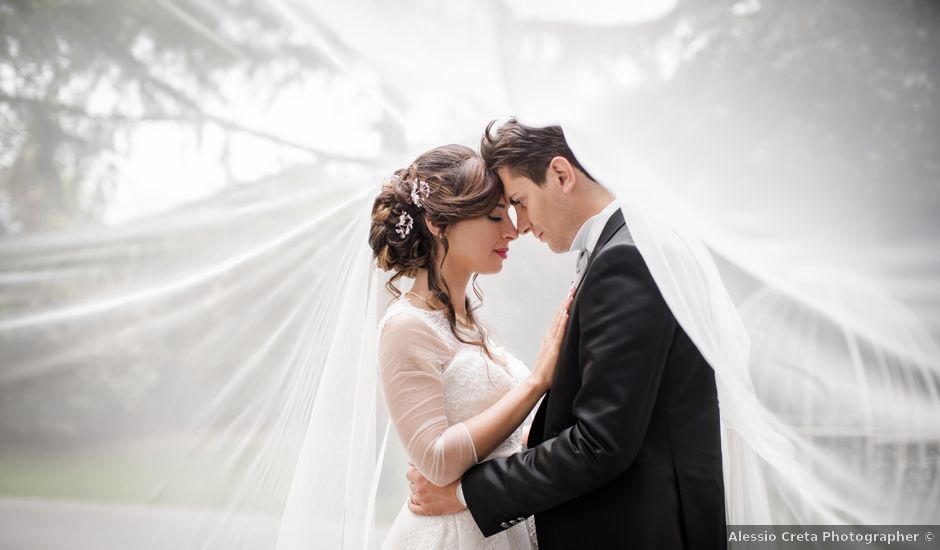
[(625, 450)]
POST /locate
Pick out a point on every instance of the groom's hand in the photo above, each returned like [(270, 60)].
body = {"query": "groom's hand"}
[(428, 499)]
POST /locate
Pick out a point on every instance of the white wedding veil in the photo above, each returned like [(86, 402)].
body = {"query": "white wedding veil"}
[(203, 374)]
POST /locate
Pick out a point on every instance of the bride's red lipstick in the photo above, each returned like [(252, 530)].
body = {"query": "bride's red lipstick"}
[(503, 252)]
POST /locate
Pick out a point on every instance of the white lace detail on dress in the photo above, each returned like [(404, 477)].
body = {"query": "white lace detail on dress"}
[(473, 383), (434, 319)]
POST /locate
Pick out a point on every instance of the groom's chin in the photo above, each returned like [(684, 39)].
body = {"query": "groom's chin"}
[(555, 248)]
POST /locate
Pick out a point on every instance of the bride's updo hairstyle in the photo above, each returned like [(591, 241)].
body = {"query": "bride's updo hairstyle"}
[(458, 187)]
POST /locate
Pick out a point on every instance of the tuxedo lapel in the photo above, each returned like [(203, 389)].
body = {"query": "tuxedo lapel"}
[(614, 224)]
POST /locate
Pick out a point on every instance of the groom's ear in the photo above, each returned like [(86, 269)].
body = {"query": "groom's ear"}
[(561, 172)]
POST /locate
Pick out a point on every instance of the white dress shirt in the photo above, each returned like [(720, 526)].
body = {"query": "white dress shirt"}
[(586, 237), (585, 240)]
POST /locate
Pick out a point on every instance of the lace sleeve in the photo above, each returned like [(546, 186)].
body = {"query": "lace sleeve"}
[(411, 357)]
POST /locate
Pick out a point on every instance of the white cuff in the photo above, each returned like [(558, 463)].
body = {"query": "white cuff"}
[(460, 495)]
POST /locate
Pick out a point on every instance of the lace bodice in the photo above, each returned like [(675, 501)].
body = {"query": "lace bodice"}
[(472, 383), (432, 383)]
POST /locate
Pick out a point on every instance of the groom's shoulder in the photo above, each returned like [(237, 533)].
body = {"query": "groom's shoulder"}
[(620, 256), (620, 245), (622, 236)]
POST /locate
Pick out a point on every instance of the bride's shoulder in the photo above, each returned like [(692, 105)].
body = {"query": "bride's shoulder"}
[(404, 321)]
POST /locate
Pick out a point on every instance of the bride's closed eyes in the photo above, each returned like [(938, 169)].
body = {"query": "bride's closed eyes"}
[(494, 215)]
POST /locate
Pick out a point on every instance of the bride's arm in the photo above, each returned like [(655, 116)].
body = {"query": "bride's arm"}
[(494, 425), (411, 357), (410, 360)]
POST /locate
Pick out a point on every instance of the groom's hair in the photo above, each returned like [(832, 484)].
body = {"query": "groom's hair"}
[(525, 150)]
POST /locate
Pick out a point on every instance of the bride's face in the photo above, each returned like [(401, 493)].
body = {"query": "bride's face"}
[(481, 245)]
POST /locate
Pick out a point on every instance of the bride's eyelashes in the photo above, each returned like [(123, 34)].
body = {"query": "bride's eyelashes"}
[(495, 218)]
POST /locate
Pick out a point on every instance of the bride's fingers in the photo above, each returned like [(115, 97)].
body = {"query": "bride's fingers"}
[(554, 324), (565, 306), (568, 298), (566, 303), (560, 320), (559, 335), (557, 330), (561, 316)]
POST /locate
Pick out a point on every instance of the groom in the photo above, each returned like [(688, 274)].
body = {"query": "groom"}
[(625, 449)]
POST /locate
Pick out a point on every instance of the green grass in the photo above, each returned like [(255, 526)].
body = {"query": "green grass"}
[(137, 470), (152, 470)]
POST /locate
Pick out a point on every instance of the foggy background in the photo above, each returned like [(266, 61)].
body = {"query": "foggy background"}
[(146, 143)]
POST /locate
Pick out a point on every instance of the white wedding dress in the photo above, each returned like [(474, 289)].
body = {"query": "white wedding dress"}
[(432, 383)]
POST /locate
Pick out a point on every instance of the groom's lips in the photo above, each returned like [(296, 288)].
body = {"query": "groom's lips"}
[(503, 252)]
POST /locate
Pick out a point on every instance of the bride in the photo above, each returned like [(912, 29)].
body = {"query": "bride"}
[(454, 396)]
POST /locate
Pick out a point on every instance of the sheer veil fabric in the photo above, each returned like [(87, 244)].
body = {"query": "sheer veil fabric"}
[(208, 378)]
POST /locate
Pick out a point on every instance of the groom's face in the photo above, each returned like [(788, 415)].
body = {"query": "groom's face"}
[(540, 209)]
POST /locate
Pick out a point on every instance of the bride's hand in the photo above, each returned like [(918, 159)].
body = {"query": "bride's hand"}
[(544, 369)]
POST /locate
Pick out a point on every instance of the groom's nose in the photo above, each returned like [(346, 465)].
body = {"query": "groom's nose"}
[(522, 221), (509, 230)]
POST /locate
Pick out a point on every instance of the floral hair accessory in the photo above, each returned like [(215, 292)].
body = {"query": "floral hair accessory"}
[(405, 224), (420, 191)]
